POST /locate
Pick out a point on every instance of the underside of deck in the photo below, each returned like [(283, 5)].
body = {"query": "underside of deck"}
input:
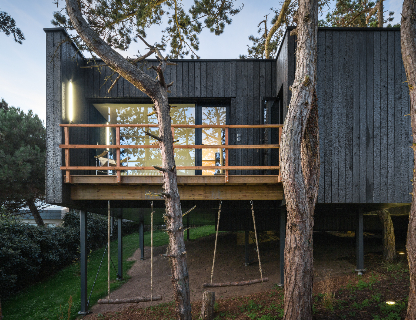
[(241, 187)]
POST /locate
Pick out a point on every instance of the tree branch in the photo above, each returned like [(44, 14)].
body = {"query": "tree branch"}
[(112, 58), (153, 136), (276, 26)]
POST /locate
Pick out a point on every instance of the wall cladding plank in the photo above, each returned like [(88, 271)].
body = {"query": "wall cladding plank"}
[(391, 111), (321, 74), (364, 137), (377, 119), (369, 136), (383, 118), (327, 95)]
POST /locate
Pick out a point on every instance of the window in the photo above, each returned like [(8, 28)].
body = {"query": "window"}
[(180, 114)]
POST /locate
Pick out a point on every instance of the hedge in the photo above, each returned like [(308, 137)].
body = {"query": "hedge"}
[(30, 253)]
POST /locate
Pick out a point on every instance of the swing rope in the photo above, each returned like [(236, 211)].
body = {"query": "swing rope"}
[(108, 246), (240, 283), (151, 253), (257, 242), (137, 299), (216, 240)]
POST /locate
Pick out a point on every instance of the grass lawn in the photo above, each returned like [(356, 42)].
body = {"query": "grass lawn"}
[(51, 298)]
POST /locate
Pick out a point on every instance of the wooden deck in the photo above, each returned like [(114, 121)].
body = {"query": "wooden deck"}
[(135, 187)]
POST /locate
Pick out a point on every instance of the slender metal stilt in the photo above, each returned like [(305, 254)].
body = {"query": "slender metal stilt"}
[(83, 260), (282, 238), (359, 237), (141, 239), (187, 226), (246, 248), (120, 246)]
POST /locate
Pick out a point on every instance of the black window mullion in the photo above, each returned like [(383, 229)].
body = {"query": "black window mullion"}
[(198, 138)]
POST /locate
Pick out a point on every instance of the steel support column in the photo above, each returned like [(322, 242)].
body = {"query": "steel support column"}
[(246, 248), (187, 226), (282, 239), (120, 245), (141, 239), (83, 260), (359, 237)]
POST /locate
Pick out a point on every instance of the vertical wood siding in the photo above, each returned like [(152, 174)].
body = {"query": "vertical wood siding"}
[(363, 101), (243, 82), (63, 64)]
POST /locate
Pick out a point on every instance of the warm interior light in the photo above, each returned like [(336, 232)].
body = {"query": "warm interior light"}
[(401, 252), (70, 102), (390, 302)]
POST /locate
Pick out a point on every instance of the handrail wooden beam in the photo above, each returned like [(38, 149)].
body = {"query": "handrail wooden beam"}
[(197, 126), (118, 168), (176, 146), (177, 168)]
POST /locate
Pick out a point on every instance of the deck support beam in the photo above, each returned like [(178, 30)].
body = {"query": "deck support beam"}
[(83, 260), (359, 237), (120, 245), (282, 239)]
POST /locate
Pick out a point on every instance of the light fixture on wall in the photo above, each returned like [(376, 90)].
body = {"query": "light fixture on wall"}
[(70, 102)]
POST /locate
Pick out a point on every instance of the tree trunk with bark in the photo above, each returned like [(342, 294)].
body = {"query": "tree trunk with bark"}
[(408, 44), (389, 240), (157, 90), (380, 16), (35, 213), (300, 167), (208, 303)]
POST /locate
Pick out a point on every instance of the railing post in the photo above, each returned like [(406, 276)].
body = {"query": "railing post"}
[(226, 155), (67, 172), (118, 171)]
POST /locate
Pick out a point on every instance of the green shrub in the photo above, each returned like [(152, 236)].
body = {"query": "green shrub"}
[(30, 253)]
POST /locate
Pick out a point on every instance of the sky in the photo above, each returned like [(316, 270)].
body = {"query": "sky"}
[(23, 67)]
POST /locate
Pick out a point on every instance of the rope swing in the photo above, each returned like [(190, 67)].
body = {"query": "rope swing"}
[(136, 299), (239, 283)]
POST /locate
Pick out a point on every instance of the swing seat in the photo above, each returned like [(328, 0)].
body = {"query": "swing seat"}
[(233, 284), (129, 300)]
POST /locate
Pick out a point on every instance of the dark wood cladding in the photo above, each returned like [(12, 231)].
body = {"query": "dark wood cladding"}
[(63, 62), (244, 83), (365, 135), (192, 79), (363, 102)]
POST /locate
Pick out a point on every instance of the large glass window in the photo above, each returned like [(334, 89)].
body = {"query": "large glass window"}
[(148, 157)]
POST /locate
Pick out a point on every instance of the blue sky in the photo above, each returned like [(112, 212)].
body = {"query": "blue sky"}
[(23, 67)]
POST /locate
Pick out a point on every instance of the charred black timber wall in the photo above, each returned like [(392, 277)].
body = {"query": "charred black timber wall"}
[(242, 84), (63, 63), (365, 135)]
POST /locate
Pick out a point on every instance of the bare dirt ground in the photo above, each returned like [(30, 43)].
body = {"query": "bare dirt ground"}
[(333, 257)]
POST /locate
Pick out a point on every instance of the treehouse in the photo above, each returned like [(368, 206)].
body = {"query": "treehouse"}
[(227, 118)]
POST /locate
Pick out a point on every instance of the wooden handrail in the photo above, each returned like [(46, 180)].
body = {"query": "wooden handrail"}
[(197, 126), (118, 168), (175, 146), (83, 168)]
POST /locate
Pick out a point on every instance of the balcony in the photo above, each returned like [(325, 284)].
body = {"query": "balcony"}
[(119, 181)]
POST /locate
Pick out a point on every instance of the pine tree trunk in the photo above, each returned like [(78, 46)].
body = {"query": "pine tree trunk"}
[(389, 240), (174, 226), (380, 16), (35, 213), (300, 168), (408, 44), (156, 89)]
